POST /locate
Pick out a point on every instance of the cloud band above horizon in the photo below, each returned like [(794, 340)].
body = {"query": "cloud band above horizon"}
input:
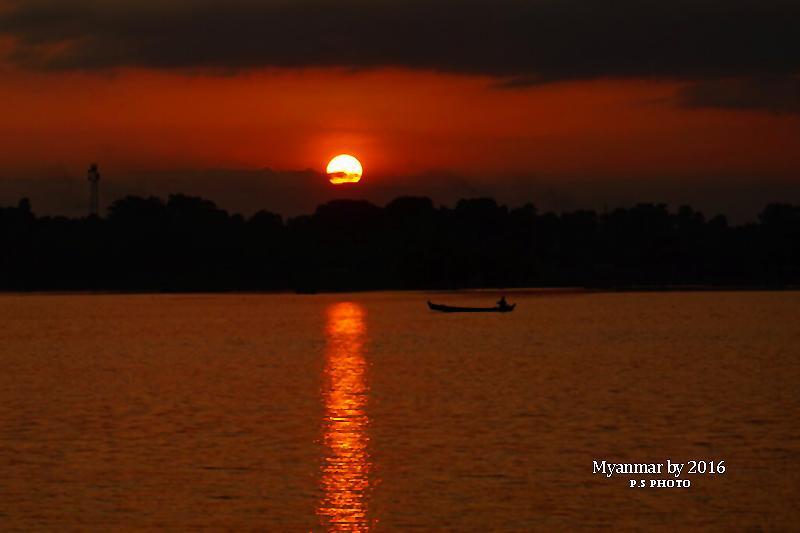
[(549, 40), (526, 41)]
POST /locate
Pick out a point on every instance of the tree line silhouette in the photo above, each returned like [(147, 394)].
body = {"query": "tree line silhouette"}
[(189, 244)]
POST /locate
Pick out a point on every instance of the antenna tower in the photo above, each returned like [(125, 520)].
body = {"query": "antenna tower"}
[(94, 203)]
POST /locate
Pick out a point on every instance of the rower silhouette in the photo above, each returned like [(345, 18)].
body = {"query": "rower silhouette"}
[(502, 303)]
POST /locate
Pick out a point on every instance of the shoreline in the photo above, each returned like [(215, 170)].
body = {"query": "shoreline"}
[(543, 291)]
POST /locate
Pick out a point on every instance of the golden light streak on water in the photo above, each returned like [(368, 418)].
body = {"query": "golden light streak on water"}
[(346, 468)]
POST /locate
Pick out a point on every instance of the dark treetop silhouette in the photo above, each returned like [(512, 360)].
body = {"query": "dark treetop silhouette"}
[(188, 244)]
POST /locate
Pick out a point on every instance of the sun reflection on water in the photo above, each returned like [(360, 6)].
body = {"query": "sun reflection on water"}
[(346, 466)]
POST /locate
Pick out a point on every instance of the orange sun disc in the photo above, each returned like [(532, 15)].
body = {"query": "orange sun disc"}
[(344, 169)]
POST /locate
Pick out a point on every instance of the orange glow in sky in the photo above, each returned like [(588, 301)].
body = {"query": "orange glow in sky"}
[(410, 122)]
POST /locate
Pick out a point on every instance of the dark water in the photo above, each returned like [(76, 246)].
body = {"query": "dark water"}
[(369, 412)]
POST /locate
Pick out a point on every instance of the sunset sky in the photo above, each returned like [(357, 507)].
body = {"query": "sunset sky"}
[(567, 104)]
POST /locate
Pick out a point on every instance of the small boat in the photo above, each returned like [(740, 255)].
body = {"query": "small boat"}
[(449, 309)]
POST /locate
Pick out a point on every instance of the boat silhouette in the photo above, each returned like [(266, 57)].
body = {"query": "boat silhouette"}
[(450, 309)]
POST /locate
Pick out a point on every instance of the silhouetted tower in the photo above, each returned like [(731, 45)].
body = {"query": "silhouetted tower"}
[(93, 176)]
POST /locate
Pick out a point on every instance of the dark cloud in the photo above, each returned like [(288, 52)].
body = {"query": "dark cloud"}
[(518, 83), (523, 43), (544, 40), (781, 95)]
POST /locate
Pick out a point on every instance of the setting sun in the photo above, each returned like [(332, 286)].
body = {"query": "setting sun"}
[(344, 169)]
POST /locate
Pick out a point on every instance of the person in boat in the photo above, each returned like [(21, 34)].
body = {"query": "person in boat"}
[(502, 303)]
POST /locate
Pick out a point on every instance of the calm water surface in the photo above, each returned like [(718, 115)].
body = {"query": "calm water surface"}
[(370, 413)]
